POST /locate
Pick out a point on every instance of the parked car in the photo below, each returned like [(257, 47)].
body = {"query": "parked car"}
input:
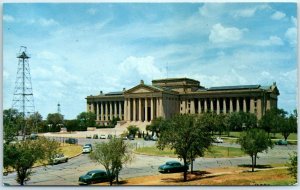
[(33, 136), (59, 158), (95, 136), (88, 136), (172, 166), (71, 141), (147, 138), (102, 136), (218, 140), (86, 149), (154, 138), (130, 137), (109, 136), (281, 142), (93, 177)]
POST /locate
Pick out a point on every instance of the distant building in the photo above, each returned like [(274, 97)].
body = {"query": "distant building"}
[(166, 97)]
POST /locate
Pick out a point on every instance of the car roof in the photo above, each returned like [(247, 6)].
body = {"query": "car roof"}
[(97, 171), (172, 162)]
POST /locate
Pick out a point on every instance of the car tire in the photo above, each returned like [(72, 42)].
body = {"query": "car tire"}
[(66, 160)]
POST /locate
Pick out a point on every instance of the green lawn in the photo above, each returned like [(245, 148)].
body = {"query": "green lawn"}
[(233, 134), (215, 152)]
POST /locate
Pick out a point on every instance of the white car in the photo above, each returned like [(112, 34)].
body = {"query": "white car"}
[(86, 149), (102, 136), (59, 158), (218, 140)]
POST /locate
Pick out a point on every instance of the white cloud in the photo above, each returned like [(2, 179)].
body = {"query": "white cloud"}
[(142, 67), (220, 34), (277, 15), (8, 18), (212, 9), (47, 55), (245, 12), (291, 35), (273, 40), (294, 20), (47, 22)]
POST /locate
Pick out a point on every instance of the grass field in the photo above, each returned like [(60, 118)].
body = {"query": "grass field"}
[(215, 152), (292, 136)]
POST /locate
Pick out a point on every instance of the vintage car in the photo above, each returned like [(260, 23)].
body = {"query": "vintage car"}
[(59, 158), (281, 142), (172, 166), (94, 176), (87, 148)]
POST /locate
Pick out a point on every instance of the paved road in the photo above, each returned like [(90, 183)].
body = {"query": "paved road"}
[(68, 173)]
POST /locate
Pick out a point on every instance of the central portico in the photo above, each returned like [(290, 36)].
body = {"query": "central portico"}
[(145, 103)]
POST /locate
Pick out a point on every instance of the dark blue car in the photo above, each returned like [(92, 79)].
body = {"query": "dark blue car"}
[(171, 167)]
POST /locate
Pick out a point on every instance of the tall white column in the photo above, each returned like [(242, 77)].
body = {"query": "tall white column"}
[(237, 104), (140, 109), (116, 110), (230, 105), (125, 109), (218, 106), (101, 111), (152, 109), (92, 108), (251, 105), (211, 105), (146, 109), (199, 107), (120, 110), (205, 105), (244, 105), (157, 107), (161, 109), (129, 110), (192, 107), (224, 105), (106, 111), (134, 109), (110, 111), (97, 114)]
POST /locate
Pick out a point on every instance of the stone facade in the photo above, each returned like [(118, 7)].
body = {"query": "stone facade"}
[(166, 97)]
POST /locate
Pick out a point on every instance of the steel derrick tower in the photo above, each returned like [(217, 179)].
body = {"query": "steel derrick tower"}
[(23, 95)]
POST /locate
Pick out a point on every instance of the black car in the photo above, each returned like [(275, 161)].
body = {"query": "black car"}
[(71, 141), (172, 166), (94, 176)]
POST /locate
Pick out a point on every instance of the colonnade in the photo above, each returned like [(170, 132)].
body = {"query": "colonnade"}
[(143, 109), (106, 110), (220, 105)]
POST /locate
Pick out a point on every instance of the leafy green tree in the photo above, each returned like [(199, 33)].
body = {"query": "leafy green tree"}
[(54, 121), (239, 121), (12, 123), (22, 155), (132, 130), (114, 121), (272, 120), (155, 125), (292, 165), (72, 125), (112, 155), (287, 125), (186, 135), (86, 119), (34, 122), (254, 141)]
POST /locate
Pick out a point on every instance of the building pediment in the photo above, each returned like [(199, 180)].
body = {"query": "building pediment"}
[(141, 88)]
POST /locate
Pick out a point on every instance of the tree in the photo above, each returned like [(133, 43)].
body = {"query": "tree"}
[(292, 165), (239, 121), (186, 135), (112, 155), (86, 119), (72, 125), (155, 125), (287, 125), (55, 120), (272, 120), (114, 121), (22, 155), (254, 141), (132, 130), (34, 122), (12, 123)]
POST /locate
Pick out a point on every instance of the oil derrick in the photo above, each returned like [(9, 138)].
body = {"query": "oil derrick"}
[(23, 95)]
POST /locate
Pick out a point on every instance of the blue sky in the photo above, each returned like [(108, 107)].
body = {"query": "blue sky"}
[(81, 48)]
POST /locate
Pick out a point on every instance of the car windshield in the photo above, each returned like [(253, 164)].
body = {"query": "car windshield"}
[(90, 173), (86, 146)]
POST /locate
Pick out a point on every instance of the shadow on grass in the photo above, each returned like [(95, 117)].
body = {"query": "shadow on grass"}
[(196, 175), (257, 166)]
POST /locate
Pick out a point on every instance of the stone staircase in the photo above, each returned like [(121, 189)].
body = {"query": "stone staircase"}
[(122, 126)]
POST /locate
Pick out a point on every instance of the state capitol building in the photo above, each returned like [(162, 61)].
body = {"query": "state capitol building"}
[(166, 97)]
